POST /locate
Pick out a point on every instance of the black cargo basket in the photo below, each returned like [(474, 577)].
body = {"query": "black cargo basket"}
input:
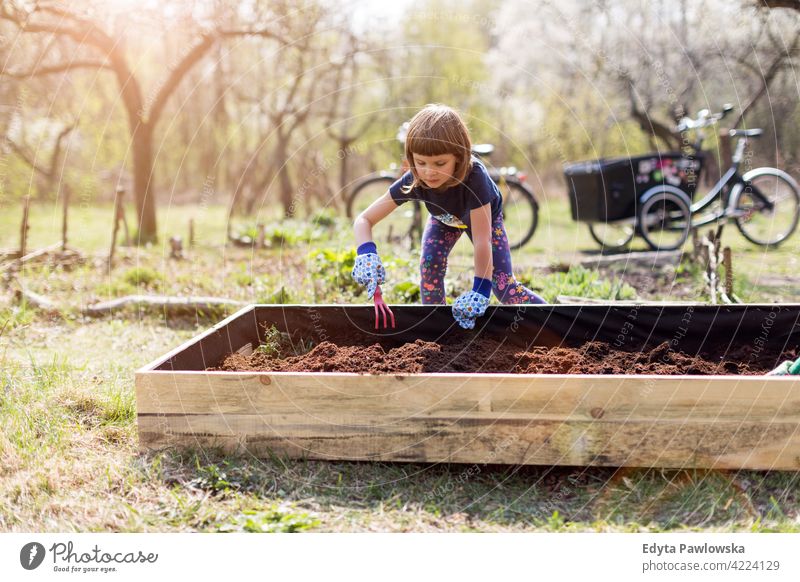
[(608, 189)]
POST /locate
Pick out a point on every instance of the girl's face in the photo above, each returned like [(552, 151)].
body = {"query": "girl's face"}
[(435, 171)]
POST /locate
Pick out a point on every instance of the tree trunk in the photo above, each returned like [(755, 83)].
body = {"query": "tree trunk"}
[(286, 191), (143, 183), (281, 161), (344, 163)]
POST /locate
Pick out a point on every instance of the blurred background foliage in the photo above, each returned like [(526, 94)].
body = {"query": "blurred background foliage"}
[(282, 104)]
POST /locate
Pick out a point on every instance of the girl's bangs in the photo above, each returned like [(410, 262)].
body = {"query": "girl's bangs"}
[(431, 145)]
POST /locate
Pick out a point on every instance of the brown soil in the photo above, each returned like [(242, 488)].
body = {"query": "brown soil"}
[(486, 355)]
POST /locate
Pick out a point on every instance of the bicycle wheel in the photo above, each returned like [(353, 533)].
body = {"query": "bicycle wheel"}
[(402, 225), (757, 221), (664, 219), (612, 236), (520, 211)]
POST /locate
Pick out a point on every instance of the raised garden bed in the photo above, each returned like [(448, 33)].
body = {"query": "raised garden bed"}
[(531, 385)]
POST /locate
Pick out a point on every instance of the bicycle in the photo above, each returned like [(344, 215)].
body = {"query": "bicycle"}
[(652, 195), (520, 207)]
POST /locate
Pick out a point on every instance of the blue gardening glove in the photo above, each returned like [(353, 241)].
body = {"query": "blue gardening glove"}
[(368, 269), (472, 304)]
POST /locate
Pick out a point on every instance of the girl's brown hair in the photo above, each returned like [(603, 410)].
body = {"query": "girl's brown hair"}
[(434, 131)]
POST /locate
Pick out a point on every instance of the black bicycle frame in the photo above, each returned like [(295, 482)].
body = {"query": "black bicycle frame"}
[(724, 188)]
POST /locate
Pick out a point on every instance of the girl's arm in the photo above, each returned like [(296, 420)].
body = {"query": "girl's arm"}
[(376, 212), (481, 219)]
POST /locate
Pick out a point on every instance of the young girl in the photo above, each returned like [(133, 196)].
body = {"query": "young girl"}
[(461, 198)]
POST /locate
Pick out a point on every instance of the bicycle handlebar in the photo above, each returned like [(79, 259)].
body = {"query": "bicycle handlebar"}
[(402, 132), (704, 118)]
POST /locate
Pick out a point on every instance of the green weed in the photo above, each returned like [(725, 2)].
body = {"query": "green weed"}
[(581, 282), (14, 316), (274, 343), (406, 292), (556, 522), (334, 269), (115, 288), (281, 297), (284, 234), (212, 478), (243, 277), (275, 519), (142, 277), (325, 217)]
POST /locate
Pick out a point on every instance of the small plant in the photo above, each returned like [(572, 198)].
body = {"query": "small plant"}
[(278, 344), (242, 277), (142, 277), (212, 478), (556, 521), (16, 316), (325, 217), (293, 233), (689, 268), (281, 297), (249, 234), (580, 282), (406, 291), (274, 342), (115, 288), (303, 346), (334, 267), (276, 519), (283, 236), (287, 233)]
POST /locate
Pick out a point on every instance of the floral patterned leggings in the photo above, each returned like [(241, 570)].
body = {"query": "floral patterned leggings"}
[(437, 242)]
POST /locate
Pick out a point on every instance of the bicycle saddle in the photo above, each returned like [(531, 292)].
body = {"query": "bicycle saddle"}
[(482, 149), (746, 132)]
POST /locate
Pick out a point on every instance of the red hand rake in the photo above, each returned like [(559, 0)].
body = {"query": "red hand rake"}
[(381, 308)]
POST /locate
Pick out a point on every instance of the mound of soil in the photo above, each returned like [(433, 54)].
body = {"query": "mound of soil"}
[(487, 356)]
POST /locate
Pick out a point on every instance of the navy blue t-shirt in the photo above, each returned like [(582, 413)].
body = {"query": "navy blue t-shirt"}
[(453, 205)]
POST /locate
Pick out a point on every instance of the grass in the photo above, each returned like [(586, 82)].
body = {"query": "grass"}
[(69, 458), (315, 268), (12, 316), (580, 282)]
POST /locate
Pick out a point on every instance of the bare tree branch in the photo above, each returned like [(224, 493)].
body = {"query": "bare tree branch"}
[(791, 4), (781, 61), (47, 173), (262, 32), (54, 69), (646, 122), (177, 74), (23, 155), (344, 138), (22, 22), (57, 149), (62, 21), (286, 107), (87, 33)]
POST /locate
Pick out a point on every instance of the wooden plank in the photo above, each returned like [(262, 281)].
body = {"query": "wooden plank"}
[(564, 396), (196, 340), (574, 300), (512, 440)]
